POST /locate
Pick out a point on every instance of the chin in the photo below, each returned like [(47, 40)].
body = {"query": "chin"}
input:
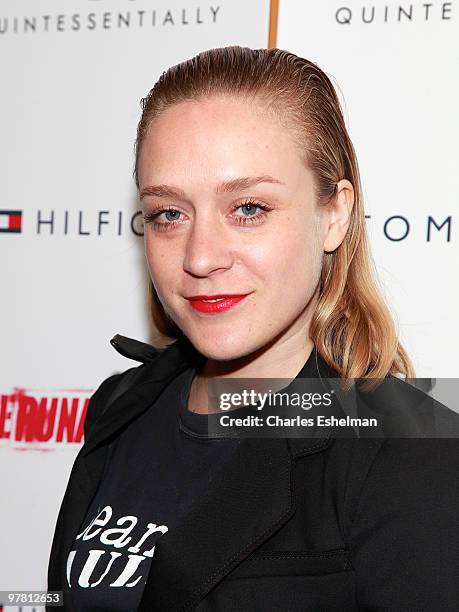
[(219, 348)]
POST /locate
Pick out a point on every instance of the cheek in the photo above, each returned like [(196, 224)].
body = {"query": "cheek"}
[(293, 260), (161, 263)]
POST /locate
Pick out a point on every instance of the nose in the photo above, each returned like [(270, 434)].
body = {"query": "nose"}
[(207, 247)]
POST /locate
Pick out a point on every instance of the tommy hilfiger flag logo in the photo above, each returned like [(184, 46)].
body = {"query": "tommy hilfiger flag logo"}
[(11, 221)]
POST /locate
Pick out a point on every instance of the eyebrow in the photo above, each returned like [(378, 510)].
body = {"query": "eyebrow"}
[(237, 184)]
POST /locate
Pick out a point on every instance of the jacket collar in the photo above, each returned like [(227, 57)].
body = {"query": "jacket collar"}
[(148, 380), (240, 510), (159, 368)]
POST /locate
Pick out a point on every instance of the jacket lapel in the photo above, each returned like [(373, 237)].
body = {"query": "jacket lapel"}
[(251, 500)]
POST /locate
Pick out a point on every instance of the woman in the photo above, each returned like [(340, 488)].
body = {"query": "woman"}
[(256, 246)]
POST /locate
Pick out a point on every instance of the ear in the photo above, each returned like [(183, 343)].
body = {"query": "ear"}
[(338, 215)]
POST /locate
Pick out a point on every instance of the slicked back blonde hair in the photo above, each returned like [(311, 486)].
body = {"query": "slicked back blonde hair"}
[(351, 327)]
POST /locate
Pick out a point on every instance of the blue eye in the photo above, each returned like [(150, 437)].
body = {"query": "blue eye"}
[(172, 212), (253, 208), (162, 226)]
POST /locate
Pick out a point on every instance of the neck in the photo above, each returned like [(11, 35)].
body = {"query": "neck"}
[(284, 362)]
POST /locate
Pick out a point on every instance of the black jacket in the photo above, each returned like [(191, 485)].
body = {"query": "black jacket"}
[(315, 525)]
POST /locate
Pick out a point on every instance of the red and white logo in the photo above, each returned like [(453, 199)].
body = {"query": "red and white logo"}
[(11, 221)]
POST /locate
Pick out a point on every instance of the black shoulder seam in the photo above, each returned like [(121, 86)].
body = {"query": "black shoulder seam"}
[(125, 382)]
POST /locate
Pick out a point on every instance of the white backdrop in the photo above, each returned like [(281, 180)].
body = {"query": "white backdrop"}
[(397, 66), (74, 275), (69, 112)]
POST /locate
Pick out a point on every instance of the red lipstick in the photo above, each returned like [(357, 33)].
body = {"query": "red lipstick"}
[(224, 302)]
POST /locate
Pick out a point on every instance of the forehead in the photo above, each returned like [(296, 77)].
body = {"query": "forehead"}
[(217, 138)]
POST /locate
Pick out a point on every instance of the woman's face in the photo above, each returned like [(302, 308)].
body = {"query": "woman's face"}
[(242, 220)]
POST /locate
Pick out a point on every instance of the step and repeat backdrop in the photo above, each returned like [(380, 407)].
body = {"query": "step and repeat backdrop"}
[(73, 271)]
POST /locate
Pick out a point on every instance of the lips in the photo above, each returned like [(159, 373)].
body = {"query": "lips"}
[(221, 302)]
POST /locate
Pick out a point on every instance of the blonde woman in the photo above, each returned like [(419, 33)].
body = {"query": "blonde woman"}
[(257, 251)]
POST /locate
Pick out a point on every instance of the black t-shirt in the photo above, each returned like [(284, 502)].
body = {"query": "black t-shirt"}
[(161, 463)]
